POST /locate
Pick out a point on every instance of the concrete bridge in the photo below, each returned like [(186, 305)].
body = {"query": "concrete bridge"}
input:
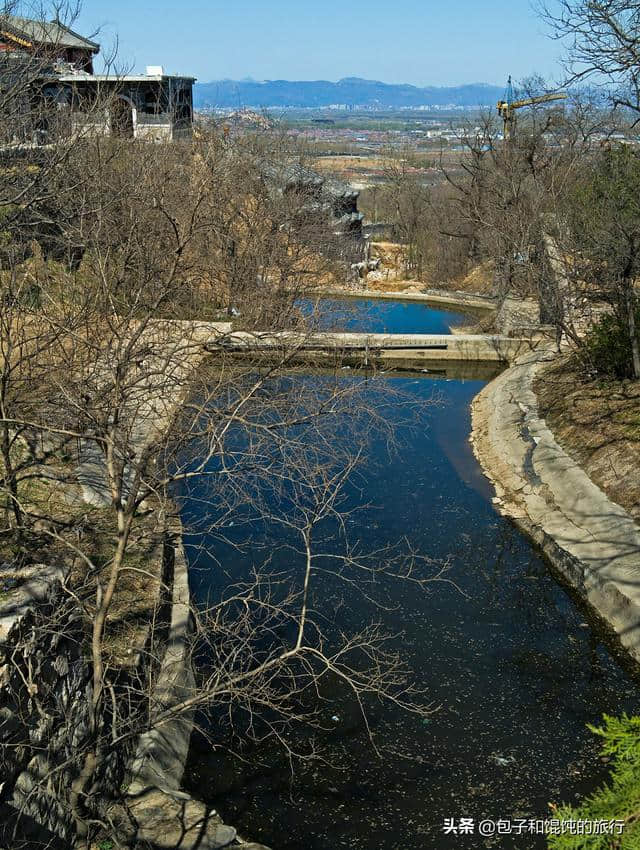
[(379, 347)]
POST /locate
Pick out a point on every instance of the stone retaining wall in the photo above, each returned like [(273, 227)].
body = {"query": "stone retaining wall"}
[(591, 541), (45, 694), (165, 816)]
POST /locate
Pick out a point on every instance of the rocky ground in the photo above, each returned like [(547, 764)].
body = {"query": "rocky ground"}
[(391, 275)]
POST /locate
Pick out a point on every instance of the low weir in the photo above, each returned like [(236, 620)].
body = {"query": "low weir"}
[(377, 346)]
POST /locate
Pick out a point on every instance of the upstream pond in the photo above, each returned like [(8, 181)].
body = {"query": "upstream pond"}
[(515, 666), (381, 315)]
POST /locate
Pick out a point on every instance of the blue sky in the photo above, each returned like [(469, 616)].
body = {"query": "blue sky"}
[(415, 41)]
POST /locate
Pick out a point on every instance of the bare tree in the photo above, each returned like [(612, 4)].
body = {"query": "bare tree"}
[(603, 44), (142, 420), (601, 233), (500, 194), (515, 200)]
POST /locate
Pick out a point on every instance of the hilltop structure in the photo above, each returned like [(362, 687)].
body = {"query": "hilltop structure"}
[(65, 95)]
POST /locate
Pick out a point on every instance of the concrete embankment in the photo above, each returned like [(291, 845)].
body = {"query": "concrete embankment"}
[(437, 297), (166, 816), (591, 541), (383, 347)]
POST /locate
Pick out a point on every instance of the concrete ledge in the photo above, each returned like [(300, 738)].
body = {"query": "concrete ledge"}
[(162, 751), (35, 585), (441, 297), (476, 347), (590, 540), (166, 817)]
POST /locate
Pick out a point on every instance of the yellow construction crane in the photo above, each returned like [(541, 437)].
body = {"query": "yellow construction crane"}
[(507, 107)]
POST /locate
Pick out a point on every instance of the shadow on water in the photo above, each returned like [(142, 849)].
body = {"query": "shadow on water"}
[(459, 370), (513, 664)]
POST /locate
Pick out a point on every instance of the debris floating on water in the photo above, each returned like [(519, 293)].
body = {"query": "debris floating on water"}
[(503, 761)]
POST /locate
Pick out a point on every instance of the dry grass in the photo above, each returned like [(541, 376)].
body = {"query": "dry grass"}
[(598, 424), (479, 279), (364, 169), (55, 497), (394, 284), (355, 164)]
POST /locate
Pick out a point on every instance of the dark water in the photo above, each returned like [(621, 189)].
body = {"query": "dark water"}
[(515, 670), (382, 316)]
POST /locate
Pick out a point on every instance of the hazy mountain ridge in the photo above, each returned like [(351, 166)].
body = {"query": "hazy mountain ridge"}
[(350, 91)]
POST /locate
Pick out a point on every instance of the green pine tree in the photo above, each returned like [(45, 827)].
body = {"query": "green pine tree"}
[(618, 799)]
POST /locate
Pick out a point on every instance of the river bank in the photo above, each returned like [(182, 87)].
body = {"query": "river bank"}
[(440, 297), (514, 664), (493, 656), (147, 637), (593, 543)]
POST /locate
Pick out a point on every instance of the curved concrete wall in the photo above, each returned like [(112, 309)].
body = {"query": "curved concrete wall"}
[(590, 540)]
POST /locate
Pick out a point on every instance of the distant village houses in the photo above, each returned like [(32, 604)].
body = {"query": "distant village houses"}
[(65, 95)]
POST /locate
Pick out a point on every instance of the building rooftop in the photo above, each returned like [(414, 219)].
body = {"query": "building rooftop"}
[(28, 32), (82, 76)]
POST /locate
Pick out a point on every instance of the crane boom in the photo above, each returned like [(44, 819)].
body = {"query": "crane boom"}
[(543, 98), (506, 108)]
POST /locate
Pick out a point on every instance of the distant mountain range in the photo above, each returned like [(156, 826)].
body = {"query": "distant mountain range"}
[(351, 91)]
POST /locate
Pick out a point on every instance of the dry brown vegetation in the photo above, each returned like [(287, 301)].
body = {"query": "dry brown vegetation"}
[(598, 424), (104, 400)]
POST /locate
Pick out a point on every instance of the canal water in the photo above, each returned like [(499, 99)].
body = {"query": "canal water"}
[(512, 666), (381, 315)]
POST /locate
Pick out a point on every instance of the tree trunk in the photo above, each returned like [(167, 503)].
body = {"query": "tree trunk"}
[(630, 306), (10, 477)]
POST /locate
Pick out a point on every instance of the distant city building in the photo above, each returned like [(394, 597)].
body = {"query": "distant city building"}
[(66, 96)]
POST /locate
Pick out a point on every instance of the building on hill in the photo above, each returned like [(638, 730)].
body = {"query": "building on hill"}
[(154, 106), (65, 96), (47, 40)]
